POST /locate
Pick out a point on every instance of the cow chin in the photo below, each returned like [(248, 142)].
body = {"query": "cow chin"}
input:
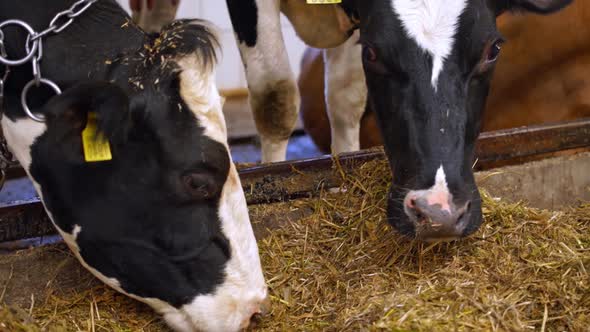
[(229, 309)]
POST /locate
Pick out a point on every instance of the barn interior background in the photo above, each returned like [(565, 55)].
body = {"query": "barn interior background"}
[(231, 81)]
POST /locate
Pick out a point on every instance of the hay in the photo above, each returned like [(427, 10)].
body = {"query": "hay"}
[(96, 309), (342, 269)]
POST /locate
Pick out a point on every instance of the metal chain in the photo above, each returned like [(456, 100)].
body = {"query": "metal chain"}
[(6, 157), (34, 54), (6, 70), (34, 49), (66, 16)]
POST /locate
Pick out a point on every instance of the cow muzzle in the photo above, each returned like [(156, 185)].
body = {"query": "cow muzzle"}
[(435, 216)]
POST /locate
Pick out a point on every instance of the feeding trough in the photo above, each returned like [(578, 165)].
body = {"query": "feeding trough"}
[(332, 262)]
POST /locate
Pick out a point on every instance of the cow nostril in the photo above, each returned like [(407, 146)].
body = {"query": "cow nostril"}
[(419, 215), (255, 319), (464, 211), (412, 203), (461, 216)]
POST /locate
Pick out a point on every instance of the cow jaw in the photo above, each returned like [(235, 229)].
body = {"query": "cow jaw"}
[(20, 135)]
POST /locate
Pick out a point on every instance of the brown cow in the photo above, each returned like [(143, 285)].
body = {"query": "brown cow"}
[(542, 77)]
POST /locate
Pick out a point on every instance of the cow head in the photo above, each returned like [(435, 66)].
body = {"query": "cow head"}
[(428, 65), (165, 220)]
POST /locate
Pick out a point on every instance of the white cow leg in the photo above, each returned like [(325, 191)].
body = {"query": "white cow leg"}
[(275, 111), (162, 13), (346, 94), (274, 96)]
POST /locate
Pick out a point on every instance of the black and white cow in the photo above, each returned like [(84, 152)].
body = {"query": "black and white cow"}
[(428, 65), (165, 220)]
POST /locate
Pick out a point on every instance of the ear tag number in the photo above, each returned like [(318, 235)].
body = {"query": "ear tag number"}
[(323, 2), (96, 146)]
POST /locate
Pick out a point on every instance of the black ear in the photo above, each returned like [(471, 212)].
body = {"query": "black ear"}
[(534, 6), (108, 101)]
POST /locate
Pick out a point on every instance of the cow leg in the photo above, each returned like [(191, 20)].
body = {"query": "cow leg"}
[(274, 96), (346, 94), (162, 13)]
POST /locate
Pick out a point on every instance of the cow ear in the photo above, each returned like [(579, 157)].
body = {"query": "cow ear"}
[(534, 6), (108, 102)]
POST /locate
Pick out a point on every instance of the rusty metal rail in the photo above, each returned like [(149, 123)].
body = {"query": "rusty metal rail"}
[(306, 178)]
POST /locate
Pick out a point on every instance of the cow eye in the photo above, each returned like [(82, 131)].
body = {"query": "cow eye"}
[(369, 53), (199, 186), (494, 50)]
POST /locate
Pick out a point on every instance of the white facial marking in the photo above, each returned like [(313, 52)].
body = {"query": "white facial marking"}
[(198, 89), (437, 194), (440, 180), (20, 135), (244, 288), (432, 24)]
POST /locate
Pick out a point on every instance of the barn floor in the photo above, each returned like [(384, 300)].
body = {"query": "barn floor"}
[(49, 284), (300, 147)]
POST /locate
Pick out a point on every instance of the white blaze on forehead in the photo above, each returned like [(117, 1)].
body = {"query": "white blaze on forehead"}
[(432, 24), (199, 92)]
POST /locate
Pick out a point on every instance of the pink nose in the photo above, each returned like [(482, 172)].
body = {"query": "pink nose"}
[(435, 215)]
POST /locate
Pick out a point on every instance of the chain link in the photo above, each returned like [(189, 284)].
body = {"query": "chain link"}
[(34, 54), (6, 157), (36, 61), (34, 49), (67, 17), (6, 70)]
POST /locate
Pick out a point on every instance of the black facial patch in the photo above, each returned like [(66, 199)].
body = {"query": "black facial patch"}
[(138, 225), (244, 18)]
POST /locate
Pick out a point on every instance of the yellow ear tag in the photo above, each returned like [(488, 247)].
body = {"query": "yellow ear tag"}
[(323, 2), (96, 147)]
